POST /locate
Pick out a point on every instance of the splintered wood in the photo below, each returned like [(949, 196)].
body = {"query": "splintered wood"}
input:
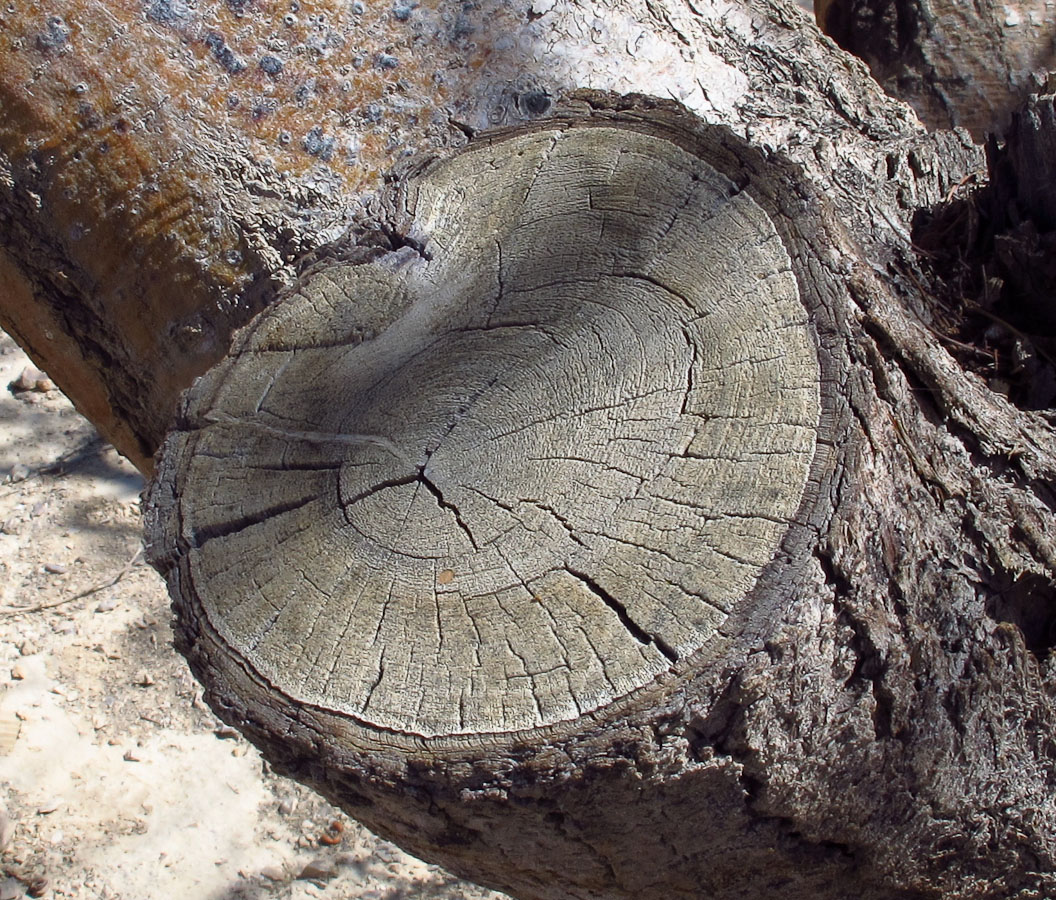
[(515, 470)]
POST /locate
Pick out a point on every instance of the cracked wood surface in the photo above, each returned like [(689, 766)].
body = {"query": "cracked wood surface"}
[(508, 478), (835, 734)]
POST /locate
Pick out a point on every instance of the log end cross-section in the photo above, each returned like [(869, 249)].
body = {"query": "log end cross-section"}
[(496, 481)]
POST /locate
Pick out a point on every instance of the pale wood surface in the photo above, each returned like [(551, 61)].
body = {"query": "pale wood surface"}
[(505, 480)]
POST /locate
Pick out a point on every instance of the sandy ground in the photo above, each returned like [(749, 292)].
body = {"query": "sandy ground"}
[(116, 781)]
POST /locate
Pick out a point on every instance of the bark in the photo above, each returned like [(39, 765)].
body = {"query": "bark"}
[(995, 249), (830, 676), (956, 64)]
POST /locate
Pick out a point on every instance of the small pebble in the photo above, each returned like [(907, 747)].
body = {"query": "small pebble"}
[(18, 673), (19, 472), (225, 732), (27, 379), (287, 806), (49, 807), (28, 648), (7, 830), (144, 679), (273, 873), (145, 621), (319, 869), (106, 605), (55, 568), (130, 756)]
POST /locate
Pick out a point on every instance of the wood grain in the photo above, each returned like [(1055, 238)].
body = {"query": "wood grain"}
[(505, 478)]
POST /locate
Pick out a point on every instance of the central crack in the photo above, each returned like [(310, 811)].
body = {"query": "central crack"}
[(447, 505), (419, 477)]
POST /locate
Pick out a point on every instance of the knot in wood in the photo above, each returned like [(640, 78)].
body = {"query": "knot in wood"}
[(507, 478)]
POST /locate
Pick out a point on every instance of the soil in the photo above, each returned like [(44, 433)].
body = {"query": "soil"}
[(116, 780)]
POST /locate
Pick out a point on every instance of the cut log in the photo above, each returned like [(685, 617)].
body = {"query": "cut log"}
[(511, 530), (534, 460), (472, 507), (831, 676)]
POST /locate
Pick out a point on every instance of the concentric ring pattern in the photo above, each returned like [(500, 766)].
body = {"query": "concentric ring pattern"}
[(506, 480)]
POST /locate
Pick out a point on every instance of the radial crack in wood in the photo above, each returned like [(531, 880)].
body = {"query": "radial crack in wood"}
[(508, 480)]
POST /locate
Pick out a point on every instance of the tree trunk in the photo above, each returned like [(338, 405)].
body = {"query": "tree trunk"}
[(957, 64), (602, 515)]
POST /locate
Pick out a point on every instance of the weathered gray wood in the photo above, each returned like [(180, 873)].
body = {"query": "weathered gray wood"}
[(787, 744), (509, 477)]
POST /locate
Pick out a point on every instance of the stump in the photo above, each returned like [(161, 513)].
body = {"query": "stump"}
[(460, 514), (584, 522)]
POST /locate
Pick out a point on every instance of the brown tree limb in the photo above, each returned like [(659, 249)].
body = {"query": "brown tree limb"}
[(796, 573)]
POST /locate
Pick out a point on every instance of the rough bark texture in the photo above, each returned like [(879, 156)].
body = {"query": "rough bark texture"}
[(956, 64), (1021, 204), (996, 247), (874, 715), (844, 721)]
